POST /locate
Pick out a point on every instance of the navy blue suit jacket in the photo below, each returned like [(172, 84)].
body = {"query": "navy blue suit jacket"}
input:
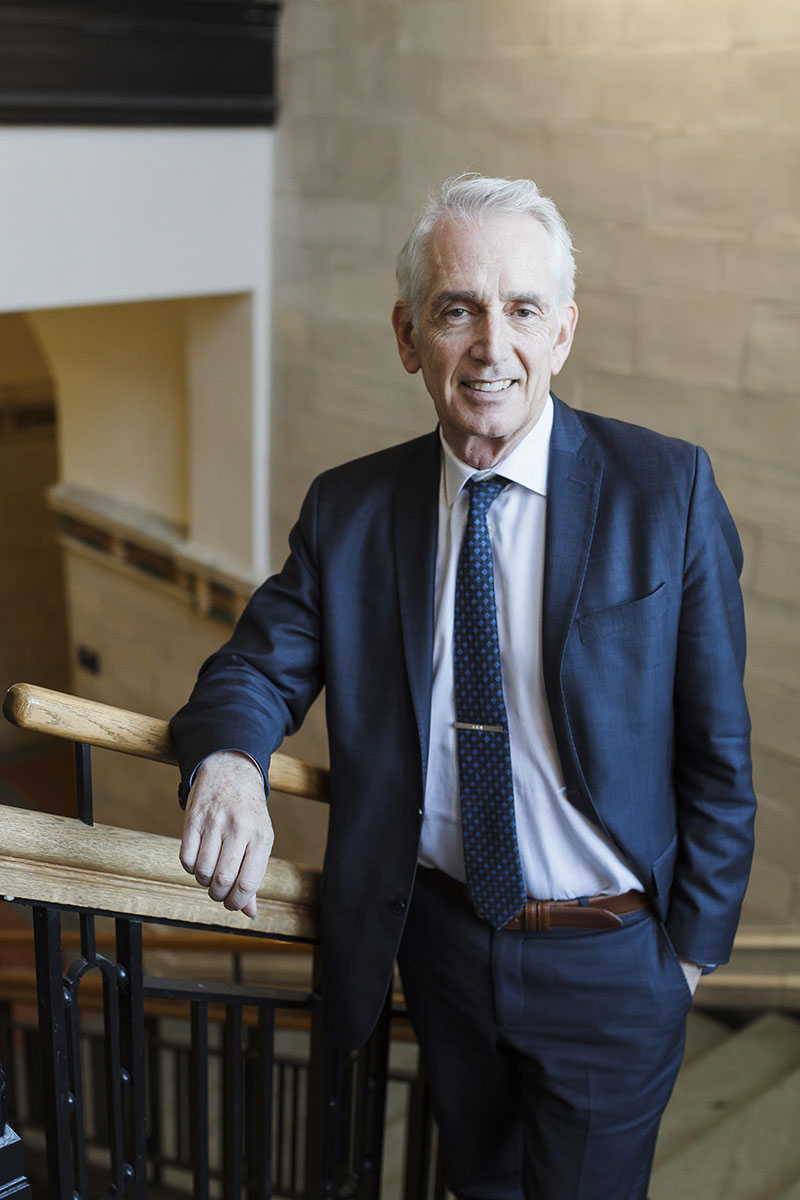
[(643, 652)]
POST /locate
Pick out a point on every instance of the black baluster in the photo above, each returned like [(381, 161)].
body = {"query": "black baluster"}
[(198, 1100), (232, 1103), (83, 782), (56, 1097), (132, 1056), (111, 984), (258, 1110)]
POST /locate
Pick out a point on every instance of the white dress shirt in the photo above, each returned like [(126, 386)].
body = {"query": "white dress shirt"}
[(563, 854)]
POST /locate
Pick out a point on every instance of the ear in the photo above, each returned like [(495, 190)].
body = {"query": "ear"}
[(403, 327), (568, 319)]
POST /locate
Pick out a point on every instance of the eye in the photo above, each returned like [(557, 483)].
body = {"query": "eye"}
[(456, 312), (524, 312)]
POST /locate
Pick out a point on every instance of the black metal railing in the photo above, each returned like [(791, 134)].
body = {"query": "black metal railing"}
[(327, 1141)]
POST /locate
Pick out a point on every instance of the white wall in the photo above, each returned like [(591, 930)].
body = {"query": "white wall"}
[(96, 216), (92, 217)]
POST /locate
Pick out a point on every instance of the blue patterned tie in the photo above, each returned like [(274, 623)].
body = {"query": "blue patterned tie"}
[(491, 855)]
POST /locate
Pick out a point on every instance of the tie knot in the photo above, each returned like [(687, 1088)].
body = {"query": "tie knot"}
[(483, 492)]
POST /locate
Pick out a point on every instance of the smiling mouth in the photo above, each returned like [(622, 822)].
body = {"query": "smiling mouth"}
[(488, 385)]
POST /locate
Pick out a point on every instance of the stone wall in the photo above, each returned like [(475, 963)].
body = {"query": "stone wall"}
[(669, 135)]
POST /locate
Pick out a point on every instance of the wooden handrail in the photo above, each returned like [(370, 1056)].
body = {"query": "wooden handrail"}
[(59, 860), (61, 715)]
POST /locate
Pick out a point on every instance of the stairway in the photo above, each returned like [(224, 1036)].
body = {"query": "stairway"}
[(732, 1128)]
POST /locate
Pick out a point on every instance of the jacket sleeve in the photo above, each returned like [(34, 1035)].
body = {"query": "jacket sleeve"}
[(712, 774), (259, 685)]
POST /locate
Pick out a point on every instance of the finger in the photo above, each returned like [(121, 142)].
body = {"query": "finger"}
[(226, 870), (248, 881), (190, 844), (250, 909), (208, 855)]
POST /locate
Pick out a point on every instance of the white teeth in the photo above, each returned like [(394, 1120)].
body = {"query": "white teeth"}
[(494, 385)]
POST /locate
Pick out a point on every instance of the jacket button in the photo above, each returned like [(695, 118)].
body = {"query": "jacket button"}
[(398, 907)]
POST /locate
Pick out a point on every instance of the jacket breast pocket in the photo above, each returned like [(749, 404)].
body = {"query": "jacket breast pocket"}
[(631, 616)]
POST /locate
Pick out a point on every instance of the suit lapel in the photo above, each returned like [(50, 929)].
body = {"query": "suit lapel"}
[(416, 510), (573, 491)]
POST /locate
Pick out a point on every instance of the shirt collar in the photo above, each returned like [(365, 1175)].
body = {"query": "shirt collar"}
[(526, 464)]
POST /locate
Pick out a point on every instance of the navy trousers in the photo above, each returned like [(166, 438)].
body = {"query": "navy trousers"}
[(550, 1056)]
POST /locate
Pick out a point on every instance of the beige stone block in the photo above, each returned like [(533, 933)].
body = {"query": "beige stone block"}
[(403, 410), (778, 568), (750, 538), (365, 23), (770, 896), (777, 777), (607, 329), (570, 384), (307, 26), (368, 347), (587, 24), (449, 25), (775, 714), (687, 192), (763, 88), (407, 83), (777, 831), (768, 21), (659, 404), (644, 258), (494, 87), (774, 640), (512, 27), (761, 271), (366, 293), (306, 83), (697, 340), (290, 328), (335, 157), (377, 80), (597, 249), (683, 22), (312, 441), (349, 223), (561, 89), (762, 429), (777, 187), (773, 358), (599, 174), (433, 149), (660, 88), (761, 495)]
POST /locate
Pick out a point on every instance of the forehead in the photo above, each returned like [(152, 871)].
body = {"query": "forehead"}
[(500, 255)]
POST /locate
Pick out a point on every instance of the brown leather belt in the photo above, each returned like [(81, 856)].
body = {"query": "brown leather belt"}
[(595, 912)]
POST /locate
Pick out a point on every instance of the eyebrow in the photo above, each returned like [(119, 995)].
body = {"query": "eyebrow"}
[(469, 297)]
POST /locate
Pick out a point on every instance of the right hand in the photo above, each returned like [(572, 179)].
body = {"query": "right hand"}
[(227, 832)]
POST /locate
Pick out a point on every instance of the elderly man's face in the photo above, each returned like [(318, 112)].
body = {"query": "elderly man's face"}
[(489, 334)]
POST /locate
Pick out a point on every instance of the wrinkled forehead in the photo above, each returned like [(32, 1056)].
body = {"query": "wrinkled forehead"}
[(497, 256)]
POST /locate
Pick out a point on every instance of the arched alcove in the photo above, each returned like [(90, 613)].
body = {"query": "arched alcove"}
[(33, 644)]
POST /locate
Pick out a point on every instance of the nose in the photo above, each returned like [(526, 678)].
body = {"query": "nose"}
[(491, 344)]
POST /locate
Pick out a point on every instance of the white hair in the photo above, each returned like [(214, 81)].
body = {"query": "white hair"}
[(469, 197)]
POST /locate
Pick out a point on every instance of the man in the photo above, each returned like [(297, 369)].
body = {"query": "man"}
[(529, 629)]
